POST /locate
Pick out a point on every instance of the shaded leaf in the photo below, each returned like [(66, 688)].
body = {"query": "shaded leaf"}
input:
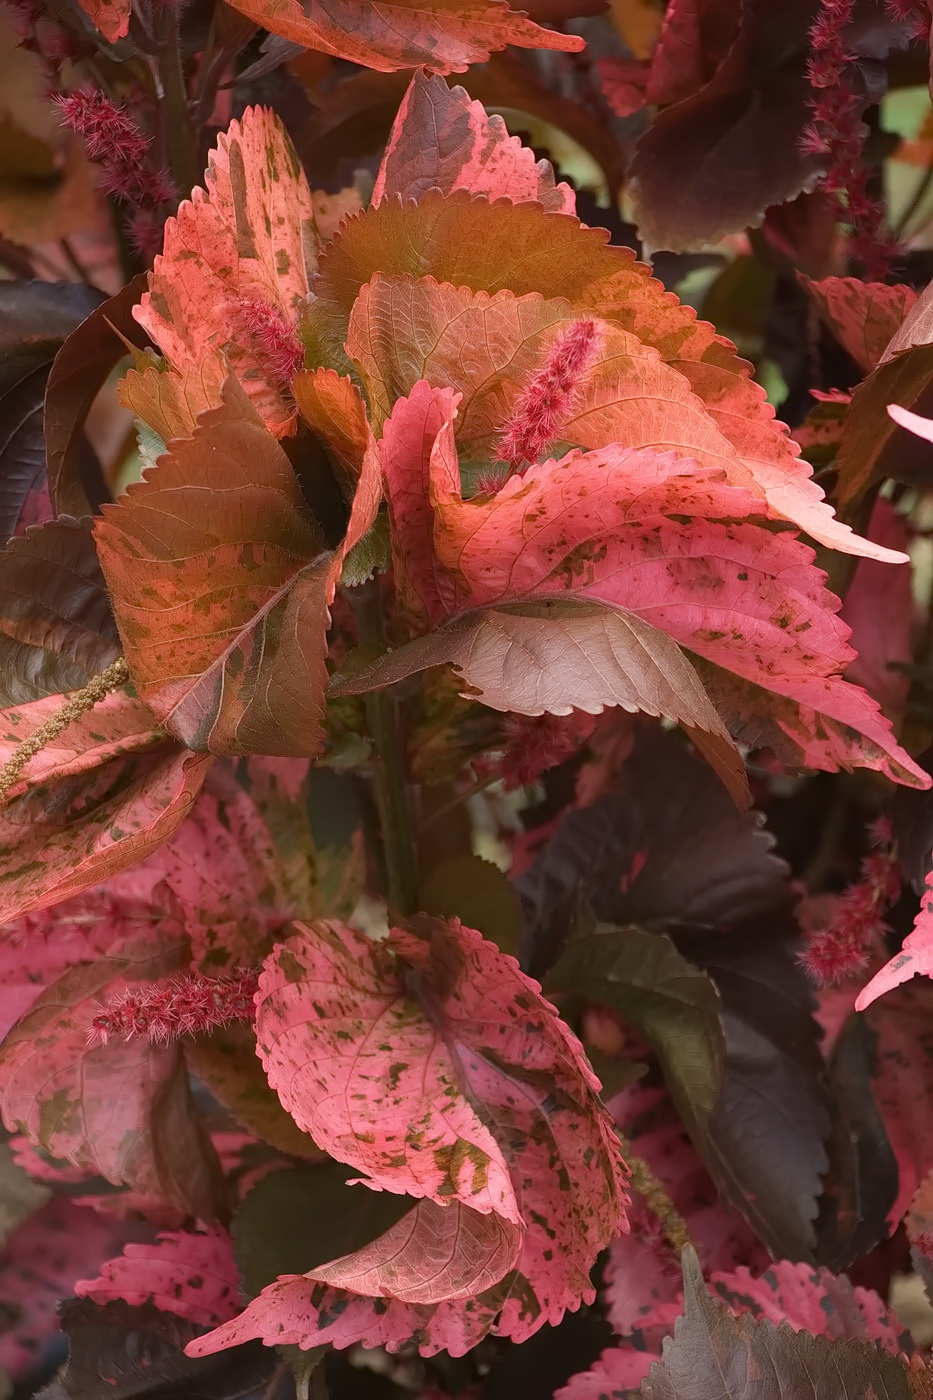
[(869, 450), (554, 657), (224, 627), (243, 245), (24, 494), (35, 317), (57, 840), (133, 1353), (38, 1266), (714, 161), (80, 369), (861, 1185), (668, 851), (479, 894), (445, 35), (191, 1275), (226, 1061), (56, 626), (122, 1110), (295, 1220), (714, 1355), (863, 316), (673, 1005), (441, 140), (879, 607)]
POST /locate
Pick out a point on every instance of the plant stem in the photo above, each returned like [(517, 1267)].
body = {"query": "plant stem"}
[(390, 782), (180, 139)]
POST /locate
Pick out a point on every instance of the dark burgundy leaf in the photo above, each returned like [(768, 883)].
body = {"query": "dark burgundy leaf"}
[(119, 1352), (35, 317), (668, 851), (860, 1186), (56, 625), (81, 366)]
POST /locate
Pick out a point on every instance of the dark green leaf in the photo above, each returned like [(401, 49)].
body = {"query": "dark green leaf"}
[(715, 1355), (477, 893), (675, 1006), (297, 1219)]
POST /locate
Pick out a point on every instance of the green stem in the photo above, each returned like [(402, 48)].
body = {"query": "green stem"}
[(180, 138), (390, 782)]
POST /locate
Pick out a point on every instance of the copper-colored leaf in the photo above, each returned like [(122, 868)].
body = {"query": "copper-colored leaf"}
[(863, 316), (468, 242), (441, 140), (223, 612), (445, 35)]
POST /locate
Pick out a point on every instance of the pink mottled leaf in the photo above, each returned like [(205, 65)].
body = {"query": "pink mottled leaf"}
[(902, 1024), (191, 1275), (233, 274), (445, 35), (61, 838), (879, 607), (863, 316), (425, 1027), (432, 1255), (117, 725), (914, 959), (122, 1110), (647, 532), (442, 140), (39, 1263)]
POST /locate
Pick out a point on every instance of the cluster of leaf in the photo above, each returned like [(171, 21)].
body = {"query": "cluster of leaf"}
[(436, 493)]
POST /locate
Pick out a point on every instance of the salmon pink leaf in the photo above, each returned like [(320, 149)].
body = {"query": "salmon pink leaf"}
[(193, 1276), (233, 274), (441, 140), (648, 533), (434, 1254), (863, 316), (223, 626), (122, 1110), (117, 725), (445, 35), (62, 837), (914, 959)]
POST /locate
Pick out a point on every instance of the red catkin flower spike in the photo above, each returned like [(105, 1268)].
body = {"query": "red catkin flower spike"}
[(536, 743), (842, 949), (183, 1005), (838, 134), (546, 401), (274, 338)]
